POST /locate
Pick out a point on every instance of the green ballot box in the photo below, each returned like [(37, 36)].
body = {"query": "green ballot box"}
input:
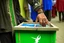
[(35, 33)]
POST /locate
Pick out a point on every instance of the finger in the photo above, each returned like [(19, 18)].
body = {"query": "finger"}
[(47, 22), (40, 21), (43, 22)]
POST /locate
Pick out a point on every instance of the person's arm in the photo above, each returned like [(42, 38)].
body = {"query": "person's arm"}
[(35, 4), (37, 7)]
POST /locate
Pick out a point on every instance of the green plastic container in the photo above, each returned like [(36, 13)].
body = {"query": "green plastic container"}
[(35, 34)]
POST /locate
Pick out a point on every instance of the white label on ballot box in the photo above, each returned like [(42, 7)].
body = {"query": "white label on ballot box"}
[(37, 38)]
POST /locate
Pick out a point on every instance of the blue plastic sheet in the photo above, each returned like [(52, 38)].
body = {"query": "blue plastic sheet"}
[(32, 25)]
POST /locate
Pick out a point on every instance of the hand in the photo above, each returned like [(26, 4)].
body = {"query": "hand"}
[(42, 19)]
